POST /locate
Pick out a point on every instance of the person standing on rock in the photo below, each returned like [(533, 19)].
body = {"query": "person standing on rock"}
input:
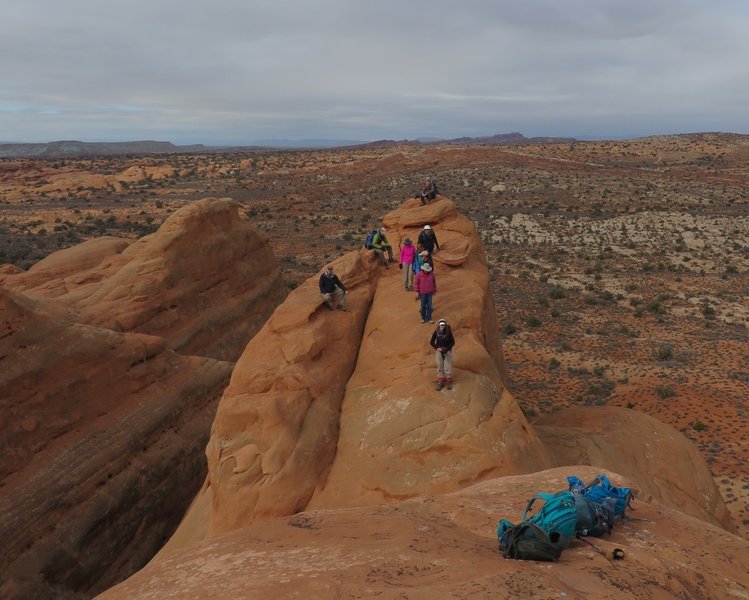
[(428, 239), (425, 286), (381, 246), (443, 341), (331, 286), (406, 259)]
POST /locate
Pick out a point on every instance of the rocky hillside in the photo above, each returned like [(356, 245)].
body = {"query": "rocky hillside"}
[(108, 388)]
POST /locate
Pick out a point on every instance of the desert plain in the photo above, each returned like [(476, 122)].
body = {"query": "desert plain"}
[(619, 269)]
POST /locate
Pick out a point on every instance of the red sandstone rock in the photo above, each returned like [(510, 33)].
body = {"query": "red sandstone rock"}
[(101, 435), (666, 466), (205, 281), (369, 372), (445, 547)]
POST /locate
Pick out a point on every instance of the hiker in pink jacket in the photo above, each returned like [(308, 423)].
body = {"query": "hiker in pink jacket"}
[(408, 251), (425, 285)]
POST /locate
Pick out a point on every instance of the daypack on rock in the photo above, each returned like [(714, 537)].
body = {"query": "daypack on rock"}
[(528, 541), (370, 239), (545, 534), (600, 489)]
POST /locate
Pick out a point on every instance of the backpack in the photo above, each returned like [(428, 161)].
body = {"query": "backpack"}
[(544, 535), (558, 514), (370, 239), (528, 541), (594, 518), (601, 489)]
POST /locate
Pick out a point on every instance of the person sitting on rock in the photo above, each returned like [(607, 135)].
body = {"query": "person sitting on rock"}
[(408, 253), (428, 239), (443, 341), (381, 246), (330, 285), (425, 286), (428, 191)]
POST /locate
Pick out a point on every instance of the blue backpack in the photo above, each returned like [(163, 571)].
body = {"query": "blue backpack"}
[(601, 489), (370, 239)]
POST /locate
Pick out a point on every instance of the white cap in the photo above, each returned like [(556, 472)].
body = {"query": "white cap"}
[(427, 227)]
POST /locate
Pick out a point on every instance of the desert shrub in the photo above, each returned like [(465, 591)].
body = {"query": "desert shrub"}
[(556, 293), (699, 426), (532, 321), (665, 391), (664, 352), (509, 329), (553, 363)]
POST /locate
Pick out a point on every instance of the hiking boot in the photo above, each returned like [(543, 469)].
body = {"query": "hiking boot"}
[(422, 321), (440, 385), (449, 384)]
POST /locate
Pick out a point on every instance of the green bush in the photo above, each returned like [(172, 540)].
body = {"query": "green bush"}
[(665, 391)]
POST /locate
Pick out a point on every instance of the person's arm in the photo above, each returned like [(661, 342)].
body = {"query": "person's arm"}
[(433, 341), (322, 284), (339, 283)]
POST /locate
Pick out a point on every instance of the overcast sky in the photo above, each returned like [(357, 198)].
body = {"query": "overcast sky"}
[(238, 71)]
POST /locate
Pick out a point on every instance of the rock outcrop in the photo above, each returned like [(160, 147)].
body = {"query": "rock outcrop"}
[(445, 547), (205, 281), (666, 466), (330, 409), (102, 435), (104, 410)]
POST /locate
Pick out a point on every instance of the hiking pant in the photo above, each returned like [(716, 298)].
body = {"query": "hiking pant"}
[(341, 299), (408, 277), (444, 365), (426, 307), (381, 253)]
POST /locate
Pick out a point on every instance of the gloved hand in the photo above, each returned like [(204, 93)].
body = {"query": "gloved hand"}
[(400, 266)]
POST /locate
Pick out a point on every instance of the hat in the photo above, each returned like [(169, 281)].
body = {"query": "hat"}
[(424, 253), (383, 230), (407, 241), (426, 267), (427, 227), (441, 322)]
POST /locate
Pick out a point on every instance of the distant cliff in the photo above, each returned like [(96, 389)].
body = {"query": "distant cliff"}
[(73, 148)]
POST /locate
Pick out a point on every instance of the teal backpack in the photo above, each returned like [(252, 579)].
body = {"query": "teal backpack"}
[(544, 535)]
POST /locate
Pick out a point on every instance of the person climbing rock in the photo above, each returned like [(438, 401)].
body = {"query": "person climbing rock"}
[(330, 287), (425, 286), (428, 239), (443, 341), (406, 259)]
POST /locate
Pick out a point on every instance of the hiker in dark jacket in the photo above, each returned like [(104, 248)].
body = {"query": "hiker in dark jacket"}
[(331, 286), (443, 341), (428, 239)]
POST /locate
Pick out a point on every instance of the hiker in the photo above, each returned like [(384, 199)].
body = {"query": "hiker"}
[(426, 258), (428, 239), (443, 341), (330, 285), (381, 246), (425, 286), (407, 256), (428, 192)]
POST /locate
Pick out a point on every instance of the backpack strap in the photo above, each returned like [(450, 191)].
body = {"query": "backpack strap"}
[(542, 495)]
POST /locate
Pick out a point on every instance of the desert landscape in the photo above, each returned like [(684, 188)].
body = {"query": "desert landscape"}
[(618, 273)]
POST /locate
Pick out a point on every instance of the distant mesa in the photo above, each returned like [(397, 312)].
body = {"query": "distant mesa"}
[(76, 149)]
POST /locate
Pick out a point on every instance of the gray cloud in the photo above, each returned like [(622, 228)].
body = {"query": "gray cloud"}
[(231, 71)]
